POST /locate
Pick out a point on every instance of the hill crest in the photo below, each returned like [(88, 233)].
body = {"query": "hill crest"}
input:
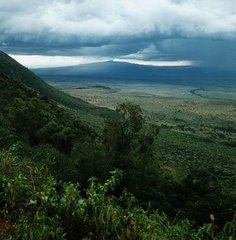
[(16, 71)]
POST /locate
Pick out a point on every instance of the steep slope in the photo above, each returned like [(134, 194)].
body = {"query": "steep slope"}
[(27, 115), (16, 71)]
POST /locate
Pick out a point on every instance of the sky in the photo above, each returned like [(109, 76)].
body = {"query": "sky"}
[(41, 33)]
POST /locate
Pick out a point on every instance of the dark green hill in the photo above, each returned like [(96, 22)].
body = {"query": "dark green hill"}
[(16, 71), (34, 119)]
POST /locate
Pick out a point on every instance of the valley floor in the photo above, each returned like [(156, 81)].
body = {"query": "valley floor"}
[(197, 125), (167, 104)]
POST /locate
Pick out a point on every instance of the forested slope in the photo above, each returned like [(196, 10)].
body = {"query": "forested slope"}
[(59, 177), (16, 71)]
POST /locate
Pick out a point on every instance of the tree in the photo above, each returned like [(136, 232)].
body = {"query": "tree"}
[(128, 142), (120, 133)]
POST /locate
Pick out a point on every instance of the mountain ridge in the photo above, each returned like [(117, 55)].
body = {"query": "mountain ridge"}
[(120, 71), (16, 71)]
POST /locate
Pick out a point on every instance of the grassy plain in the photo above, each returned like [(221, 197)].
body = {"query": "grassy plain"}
[(198, 126), (166, 104)]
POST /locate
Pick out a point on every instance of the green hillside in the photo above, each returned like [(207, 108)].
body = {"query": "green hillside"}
[(62, 179), (16, 71)]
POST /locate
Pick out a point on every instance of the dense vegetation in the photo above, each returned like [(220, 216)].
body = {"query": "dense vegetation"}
[(59, 177), (18, 72)]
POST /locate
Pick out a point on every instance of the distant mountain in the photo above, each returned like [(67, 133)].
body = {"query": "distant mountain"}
[(126, 72), (16, 71)]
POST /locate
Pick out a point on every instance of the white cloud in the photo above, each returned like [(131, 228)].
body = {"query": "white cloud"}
[(38, 61), (157, 63), (84, 19), (147, 53)]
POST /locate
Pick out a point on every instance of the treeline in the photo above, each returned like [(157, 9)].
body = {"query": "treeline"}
[(45, 146)]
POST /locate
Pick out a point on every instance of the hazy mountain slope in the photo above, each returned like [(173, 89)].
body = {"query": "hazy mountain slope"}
[(16, 71), (126, 72)]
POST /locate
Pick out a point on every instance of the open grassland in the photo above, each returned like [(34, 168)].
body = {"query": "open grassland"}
[(177, 102), (181, 108), (195, 130)]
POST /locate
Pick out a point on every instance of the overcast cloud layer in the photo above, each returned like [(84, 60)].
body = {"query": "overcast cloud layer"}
[(170, 30)]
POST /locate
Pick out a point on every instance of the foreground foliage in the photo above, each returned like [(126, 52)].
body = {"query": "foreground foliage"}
[(58, 210)]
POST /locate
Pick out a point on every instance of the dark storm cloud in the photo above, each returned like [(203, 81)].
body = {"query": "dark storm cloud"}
[(145, 30), (207, 52)]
